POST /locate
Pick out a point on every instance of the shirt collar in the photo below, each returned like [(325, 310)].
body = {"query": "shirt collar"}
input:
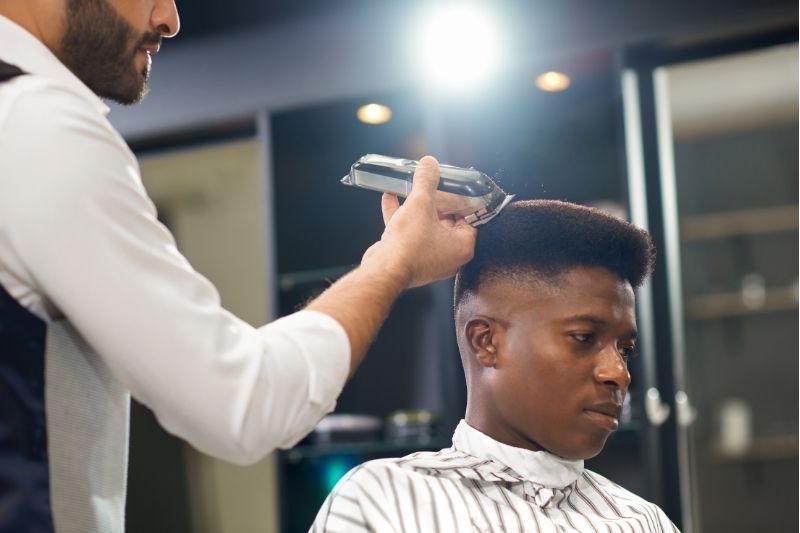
[(542, 468), (19, 47)]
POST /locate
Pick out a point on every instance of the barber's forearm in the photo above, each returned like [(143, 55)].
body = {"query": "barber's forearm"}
[(416, 248), (360, 302)]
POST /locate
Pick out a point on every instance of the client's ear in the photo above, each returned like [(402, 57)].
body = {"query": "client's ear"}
[(480, 333)]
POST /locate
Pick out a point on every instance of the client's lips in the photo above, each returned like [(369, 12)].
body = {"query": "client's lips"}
[(605, 414)]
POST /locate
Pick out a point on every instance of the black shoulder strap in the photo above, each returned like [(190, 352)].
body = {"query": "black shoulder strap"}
[(8, 71)]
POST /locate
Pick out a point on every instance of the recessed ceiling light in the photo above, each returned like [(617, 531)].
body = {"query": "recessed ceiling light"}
[(552, 81), (374, 114)]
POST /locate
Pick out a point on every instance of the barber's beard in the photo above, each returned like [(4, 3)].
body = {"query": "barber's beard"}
[(100, 48)]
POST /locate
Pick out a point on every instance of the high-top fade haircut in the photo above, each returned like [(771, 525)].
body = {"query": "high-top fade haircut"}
[(538, 240)]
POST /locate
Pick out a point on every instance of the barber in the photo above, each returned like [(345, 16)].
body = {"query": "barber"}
[(97, 303)]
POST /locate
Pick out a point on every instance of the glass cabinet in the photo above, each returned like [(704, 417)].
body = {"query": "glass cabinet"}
[(713, 165)]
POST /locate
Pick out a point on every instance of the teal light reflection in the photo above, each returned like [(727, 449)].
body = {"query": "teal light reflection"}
[(333, 468)]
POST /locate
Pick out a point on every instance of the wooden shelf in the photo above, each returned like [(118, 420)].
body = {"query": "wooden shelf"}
[(739, 223), (728, 304)]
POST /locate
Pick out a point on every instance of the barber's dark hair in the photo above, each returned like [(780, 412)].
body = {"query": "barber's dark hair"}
[(541, 239)]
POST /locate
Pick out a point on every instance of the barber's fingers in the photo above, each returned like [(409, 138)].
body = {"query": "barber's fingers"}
[(447, 221), (389, 205), (426, 178)]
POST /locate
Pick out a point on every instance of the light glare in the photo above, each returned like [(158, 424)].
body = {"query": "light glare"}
[(374, 114), (459, 46), (552, 81)]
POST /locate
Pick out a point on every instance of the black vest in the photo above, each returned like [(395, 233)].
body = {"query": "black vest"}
[(24, 479), (9, 71)]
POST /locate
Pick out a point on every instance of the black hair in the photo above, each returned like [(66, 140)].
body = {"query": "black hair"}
[(541, 239)]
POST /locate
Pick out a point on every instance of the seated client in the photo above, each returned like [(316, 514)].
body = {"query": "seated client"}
[(545, 323)]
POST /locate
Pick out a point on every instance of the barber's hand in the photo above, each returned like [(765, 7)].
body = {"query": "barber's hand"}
[(417, 244)]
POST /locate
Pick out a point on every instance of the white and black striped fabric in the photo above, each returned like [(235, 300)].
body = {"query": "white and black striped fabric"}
[(480, 484)]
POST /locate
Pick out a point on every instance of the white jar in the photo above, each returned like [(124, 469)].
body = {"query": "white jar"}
[(735, 426)]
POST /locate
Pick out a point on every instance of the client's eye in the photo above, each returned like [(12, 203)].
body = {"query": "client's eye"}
[(627, 352), (583, 338)]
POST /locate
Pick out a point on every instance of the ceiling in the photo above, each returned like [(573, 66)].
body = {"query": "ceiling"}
[(204, 17)]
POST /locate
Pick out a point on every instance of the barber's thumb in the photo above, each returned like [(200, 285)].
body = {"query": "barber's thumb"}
[(426, 176)]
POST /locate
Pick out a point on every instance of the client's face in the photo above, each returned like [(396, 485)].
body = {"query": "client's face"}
[(561, 370)]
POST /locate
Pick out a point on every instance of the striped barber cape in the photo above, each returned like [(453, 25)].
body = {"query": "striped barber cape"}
[(480, 484)]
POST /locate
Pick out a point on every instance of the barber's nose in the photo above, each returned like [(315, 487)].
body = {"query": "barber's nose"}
[(164, 18), (611, 369)]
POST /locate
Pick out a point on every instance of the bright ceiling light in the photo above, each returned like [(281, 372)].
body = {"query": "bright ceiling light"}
[(459, 46), (374, 114), (552, 81)]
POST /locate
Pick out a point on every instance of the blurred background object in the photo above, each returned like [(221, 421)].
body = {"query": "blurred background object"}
[(342, 427), (681, 116), (413, 425)]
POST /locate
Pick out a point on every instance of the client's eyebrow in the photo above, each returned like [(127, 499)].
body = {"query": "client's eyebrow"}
[(586, 318), (597, 321)]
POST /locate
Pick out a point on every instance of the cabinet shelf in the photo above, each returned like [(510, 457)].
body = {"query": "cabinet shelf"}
[(730, 304), (739, 223), (761, 449), (290, 280), (399, 448)]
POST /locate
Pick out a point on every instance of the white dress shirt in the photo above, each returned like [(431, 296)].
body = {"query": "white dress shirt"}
[(480, 484), (79, 239)]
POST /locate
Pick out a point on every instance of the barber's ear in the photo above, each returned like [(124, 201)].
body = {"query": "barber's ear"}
[(481, 335)]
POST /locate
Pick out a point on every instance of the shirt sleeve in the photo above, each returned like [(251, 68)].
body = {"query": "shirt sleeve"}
[(85, 233)]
